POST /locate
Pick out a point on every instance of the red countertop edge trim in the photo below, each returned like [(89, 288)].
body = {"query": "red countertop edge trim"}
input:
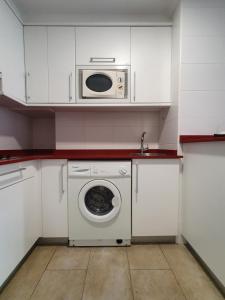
[(88, 154), (201, 138)]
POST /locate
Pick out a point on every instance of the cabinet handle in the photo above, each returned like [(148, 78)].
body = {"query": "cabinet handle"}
[(134, 86), (1, 83), (12, 171), (61, 183), (102, 60), (27, 74), (137, 179), (70, 86)]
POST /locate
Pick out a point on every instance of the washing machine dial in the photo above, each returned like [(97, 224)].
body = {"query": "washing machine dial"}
[(123, 171)]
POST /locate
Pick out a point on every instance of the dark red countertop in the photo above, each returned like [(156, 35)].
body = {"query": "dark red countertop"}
[(201, 138), (15, 156)]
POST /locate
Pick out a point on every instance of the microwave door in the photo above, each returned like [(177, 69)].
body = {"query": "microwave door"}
[(99, 84)]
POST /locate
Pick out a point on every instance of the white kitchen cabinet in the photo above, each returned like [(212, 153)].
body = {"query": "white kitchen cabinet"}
[(12, 54), (36, 58), (155, 197), (61, 63), (32, 202), (54, 198), (103, 46), (50, 64), (151, 64), (20, 214)]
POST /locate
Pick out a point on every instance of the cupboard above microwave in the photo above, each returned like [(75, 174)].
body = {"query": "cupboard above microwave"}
[(103, 85)]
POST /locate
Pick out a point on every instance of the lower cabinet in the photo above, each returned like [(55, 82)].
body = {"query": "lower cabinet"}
[(20, 214), (155, 197), (54, 198)]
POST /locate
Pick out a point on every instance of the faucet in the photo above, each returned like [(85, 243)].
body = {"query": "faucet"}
[(143, 148)]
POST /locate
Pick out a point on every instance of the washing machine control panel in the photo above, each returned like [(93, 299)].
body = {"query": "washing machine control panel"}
[(123, 171), (97, 171), (100, 169)]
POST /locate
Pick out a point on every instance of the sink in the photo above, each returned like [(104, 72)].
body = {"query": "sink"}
[(145, 154)]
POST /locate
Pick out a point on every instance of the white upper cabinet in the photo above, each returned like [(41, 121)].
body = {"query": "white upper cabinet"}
[(103, 46), (151, 64), (50, 64), (12, 54), (36, 54), (61, 62)]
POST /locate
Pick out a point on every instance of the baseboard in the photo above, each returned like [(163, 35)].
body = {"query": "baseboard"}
[(153, 240), (56, 241), (205, 267)]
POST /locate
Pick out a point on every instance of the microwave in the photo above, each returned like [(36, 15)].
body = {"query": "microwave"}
[(100, 85)]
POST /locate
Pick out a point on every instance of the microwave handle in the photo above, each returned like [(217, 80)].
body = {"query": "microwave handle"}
[(102, 60)]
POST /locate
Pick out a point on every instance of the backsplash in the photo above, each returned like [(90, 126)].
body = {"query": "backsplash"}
[(15, 130), (106, 130)]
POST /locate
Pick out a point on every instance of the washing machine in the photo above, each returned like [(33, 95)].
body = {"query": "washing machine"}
[(99, 203)]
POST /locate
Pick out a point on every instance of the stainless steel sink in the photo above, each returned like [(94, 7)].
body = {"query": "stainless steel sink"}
[(145, 154)]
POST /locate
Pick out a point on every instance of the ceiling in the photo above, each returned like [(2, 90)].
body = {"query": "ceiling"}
[(33, 8)]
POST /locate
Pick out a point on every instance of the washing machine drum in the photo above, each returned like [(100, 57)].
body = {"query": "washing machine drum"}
[(99, 201)]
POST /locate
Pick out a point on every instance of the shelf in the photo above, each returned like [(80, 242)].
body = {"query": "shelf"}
[(34, 109)]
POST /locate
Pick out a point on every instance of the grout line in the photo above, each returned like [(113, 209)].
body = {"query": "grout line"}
[(150, 269), (73, 269), (174, 274), (129, 270), (85, 277), (42, 273)]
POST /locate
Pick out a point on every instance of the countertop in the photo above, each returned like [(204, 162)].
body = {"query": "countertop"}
[(201, 138), (15, 156)]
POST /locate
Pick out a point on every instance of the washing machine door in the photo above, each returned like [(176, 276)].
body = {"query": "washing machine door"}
[(99, 201)]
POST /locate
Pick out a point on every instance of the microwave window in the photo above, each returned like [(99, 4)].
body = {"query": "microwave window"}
[(99, 82)]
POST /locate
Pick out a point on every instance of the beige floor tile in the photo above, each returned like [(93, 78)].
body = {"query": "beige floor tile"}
[(146, 257), (68, 258), (108, 257), (108, 275), (60, 285), (25, 280), (155, 285), (111, 283), (194, 282)]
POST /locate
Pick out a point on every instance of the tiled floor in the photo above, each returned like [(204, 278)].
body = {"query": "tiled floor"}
[(140, 272)]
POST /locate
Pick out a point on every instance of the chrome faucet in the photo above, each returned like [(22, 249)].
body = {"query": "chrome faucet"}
[(143, 148)]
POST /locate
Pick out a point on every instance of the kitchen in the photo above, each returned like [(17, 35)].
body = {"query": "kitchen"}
[(112, 149)]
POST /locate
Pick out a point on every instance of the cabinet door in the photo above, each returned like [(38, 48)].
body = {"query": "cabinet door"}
[(103, 46), (35, 38), (61, 62), (32, 211), (54, 198), (155, 197), (151, 64), (12, 54), (12, 235), (20, 214)]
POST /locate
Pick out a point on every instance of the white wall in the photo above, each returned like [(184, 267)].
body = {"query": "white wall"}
[(15, 130), (169, 117), (43, 133), (203, 203), (95, 130), (202, 100)]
